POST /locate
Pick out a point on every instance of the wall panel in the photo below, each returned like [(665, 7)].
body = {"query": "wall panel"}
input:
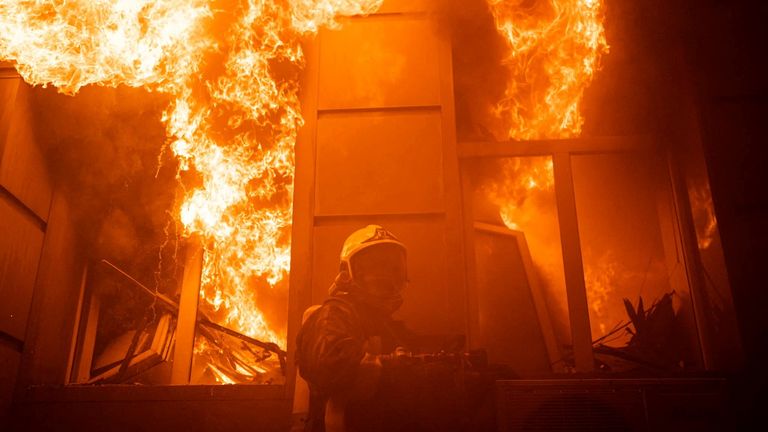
[(375, 163), (21, 240), (379, 62), (9, 365), (22, 168), (54, 305), (379, 148), (8, 89)]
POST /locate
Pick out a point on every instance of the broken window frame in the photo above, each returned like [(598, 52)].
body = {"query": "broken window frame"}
[(177, 343), (561, 151)]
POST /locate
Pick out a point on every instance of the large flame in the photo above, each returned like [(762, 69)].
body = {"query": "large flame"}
[(553, 52), (554, 48), (522, 179), (230, 70), (71, 44)]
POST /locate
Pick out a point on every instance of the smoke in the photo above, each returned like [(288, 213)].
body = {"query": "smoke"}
[(104, 151), (480, 78)]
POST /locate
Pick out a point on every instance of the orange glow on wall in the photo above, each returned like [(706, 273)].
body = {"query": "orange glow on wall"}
[(553, 52), (230, 71)]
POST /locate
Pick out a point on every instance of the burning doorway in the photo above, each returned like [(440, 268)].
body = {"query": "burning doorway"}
[(380, 108)]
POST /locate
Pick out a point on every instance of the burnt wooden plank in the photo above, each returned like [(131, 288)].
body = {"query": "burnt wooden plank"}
[(54, 303), (23, 171), (21, 241)]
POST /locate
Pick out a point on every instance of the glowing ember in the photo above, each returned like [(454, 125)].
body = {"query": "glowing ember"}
[(230, 69)]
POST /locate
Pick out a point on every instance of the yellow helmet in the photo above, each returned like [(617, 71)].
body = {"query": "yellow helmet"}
[(364, 238), (372, 253)]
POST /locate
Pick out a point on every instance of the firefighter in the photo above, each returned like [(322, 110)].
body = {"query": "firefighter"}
[(343, 346)]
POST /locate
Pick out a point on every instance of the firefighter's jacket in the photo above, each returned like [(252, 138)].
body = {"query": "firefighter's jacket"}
[(337, 350), (331, 351)]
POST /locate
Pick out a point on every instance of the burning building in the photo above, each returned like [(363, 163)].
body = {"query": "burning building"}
[(177, 179)]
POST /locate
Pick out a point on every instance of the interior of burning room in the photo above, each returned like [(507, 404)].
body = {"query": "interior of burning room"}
[(573, 181)]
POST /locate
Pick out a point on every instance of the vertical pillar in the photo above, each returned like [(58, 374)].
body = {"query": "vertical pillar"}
[(300, 276), (9, 87), (455, 224), (693, 267), (82, 369), (185, 325), (578, 309)]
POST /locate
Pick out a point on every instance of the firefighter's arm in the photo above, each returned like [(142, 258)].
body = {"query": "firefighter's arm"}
[(330, 350)]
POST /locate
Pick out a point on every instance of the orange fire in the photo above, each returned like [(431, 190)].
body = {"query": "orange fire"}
[(524, 177), (601, 280), (703, 214), (554, 49), (230, 69)]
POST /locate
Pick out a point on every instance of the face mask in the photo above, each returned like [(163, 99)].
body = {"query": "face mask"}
[(380, 276), (383, 293)]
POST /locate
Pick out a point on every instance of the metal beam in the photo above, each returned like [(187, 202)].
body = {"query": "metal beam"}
[(693, 265), (88, 341), (587, 145), (72, 360), (578, 309)]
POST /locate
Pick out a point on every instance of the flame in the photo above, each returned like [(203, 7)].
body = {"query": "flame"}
[(522, 179), (703, 209), (230, 69), (553, 52), (601, 279), (71, 44), (554, 49)]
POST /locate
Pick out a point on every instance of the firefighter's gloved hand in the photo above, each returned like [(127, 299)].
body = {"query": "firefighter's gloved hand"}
[(401, 354), (399, 357)]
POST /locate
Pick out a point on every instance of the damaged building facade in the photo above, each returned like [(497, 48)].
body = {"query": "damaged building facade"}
[(610, 265)]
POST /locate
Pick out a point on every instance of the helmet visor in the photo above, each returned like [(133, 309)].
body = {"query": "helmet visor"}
[(384, 261)]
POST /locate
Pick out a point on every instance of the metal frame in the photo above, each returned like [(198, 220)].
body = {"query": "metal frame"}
[(300, 277), (79, 369), (545, 324), (692, 262), (561, 151), (586, 145)]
